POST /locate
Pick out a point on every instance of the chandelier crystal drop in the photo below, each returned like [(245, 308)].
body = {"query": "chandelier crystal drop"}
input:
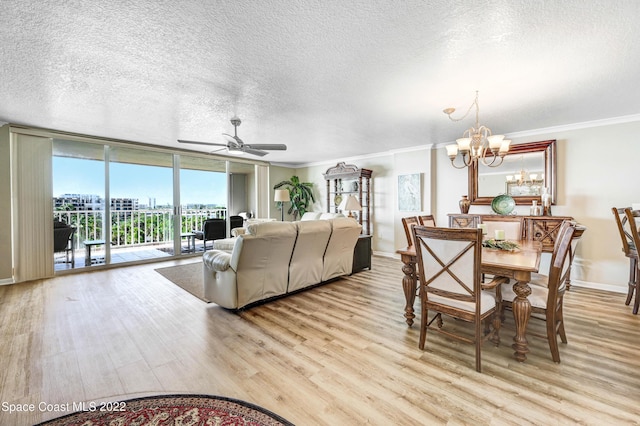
[(477, 143)]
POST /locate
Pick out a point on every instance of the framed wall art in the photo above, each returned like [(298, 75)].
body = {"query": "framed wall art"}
[(410, 192)]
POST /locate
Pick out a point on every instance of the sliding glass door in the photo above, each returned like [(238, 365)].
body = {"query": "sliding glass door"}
[(129, 204), (78, 171), (141, 204), (203, 195)]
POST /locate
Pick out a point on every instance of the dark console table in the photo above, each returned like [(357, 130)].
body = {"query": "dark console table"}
[(362, 253)]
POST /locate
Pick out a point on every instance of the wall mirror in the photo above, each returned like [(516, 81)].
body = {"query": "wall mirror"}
[(527, 169)]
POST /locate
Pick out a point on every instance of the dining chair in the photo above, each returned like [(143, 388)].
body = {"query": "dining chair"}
[(542, 279), (632, 220), (449, 262), (407, 223), (548, 300), (629, 249), (427, 220), (513, 226)]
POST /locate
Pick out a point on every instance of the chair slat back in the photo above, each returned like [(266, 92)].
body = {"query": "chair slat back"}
[(560, 265), (407, 223), (449, 262), (624, 229), (427, 220), (512, 226), (633, 216)]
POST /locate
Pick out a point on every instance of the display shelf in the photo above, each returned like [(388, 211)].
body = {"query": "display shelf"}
[(348, 179)]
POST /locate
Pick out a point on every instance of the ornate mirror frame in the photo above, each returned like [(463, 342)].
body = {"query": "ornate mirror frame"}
[(548, 148)]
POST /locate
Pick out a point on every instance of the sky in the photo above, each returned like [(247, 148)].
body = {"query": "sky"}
[(79, 176)]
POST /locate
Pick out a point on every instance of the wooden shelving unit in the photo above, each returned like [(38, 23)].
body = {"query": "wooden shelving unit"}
[(347, 179)]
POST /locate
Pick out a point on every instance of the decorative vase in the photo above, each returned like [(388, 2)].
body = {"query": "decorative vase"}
[(464, 204)]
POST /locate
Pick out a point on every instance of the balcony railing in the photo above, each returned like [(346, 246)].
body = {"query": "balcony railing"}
[(133, 227)]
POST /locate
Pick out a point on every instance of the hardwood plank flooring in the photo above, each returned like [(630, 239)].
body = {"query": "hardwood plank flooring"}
[(336, 354)]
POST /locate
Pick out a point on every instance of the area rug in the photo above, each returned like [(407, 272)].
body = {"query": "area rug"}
[(187, 277), (172, 410)]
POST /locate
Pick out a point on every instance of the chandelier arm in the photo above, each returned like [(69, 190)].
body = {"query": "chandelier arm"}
[(493, 160), (475, 102), (464, 164)]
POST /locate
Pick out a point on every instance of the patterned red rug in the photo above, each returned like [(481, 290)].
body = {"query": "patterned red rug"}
[(171, 410)]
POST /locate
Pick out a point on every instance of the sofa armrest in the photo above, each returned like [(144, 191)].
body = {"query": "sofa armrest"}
[(217, 260), (238, 231)]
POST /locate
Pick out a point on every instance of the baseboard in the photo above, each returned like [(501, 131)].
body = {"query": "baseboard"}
[(599, 286), (6, 281)]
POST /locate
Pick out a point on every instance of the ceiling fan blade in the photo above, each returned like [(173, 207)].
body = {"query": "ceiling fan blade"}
[(267, 146), (202, 143), (252, 151), (232, 140)]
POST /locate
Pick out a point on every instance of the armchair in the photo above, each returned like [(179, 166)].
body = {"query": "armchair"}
[(212, 229), (235, 222), (63, 240)]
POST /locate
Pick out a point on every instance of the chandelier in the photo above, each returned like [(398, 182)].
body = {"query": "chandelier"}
[(524, 178), (477, 143)]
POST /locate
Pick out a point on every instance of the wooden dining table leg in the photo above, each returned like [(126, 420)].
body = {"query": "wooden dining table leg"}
[(521, 314), (409, 286)]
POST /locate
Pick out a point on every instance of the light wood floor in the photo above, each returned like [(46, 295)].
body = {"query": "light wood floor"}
[(340, 354)]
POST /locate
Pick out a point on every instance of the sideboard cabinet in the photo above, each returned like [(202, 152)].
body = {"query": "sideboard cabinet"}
[(538, 228), (347, 179)]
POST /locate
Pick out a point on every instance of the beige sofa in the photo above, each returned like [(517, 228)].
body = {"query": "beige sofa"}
[(275, 258)]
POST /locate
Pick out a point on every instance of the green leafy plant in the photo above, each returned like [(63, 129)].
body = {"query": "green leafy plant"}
[(500, 244), (300, 194)]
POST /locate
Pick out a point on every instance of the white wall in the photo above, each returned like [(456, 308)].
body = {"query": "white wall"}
[(596, 170)]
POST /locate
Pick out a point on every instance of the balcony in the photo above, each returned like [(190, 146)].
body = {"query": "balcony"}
[(135, 234)]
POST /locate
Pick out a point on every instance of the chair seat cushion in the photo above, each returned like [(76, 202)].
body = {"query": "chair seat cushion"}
[(487, 302), (541, 280), (537, 298)]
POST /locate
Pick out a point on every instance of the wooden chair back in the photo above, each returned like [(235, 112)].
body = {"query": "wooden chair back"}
[(560, 266), (633, 216), (513, 226), (630, 250), (407, 223), (624, 225), (557, 281), (448, 261), (427, 220)]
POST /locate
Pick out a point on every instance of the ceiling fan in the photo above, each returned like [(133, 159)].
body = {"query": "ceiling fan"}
[(234, 143)]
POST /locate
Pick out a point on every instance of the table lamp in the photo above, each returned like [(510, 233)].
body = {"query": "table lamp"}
[(282, 195), (350, 204)]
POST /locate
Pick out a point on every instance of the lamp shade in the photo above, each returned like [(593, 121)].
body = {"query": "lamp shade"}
[(350, 204), (281, 195)]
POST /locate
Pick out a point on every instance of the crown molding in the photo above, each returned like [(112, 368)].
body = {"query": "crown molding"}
[(525, 133), (357, 157)]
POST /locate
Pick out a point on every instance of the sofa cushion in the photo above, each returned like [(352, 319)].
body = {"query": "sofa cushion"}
[(338, 258), (326, 216), (261, 258), (306, 264), (265, 229), (310, 216)]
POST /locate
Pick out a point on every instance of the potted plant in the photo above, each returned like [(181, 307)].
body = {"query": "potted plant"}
[(300, 194)]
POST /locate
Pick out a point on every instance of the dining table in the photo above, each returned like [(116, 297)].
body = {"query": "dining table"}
[(515, 264)]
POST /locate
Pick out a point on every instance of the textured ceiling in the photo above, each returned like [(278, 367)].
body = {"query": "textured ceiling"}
[(331, 79)]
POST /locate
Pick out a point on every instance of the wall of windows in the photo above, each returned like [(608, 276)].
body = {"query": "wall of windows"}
[(131, 204)]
